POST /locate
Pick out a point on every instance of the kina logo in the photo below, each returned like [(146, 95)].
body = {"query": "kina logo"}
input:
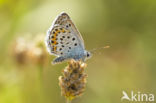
[(138, 96)]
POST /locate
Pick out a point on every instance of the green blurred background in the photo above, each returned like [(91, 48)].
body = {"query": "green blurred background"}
[(127, 26)]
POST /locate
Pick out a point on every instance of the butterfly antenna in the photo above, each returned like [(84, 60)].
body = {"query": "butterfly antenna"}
[(96, 49)]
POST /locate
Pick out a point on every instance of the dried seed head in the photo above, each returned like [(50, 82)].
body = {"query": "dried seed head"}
[(30, 51), (73, 81), (19, 51)]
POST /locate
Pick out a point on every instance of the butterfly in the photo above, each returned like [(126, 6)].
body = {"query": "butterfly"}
[(65, 41)]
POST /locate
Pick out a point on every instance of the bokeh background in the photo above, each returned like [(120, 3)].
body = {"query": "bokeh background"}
[(127, 26)]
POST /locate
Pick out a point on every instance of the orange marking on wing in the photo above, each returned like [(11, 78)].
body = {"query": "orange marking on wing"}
[(58, 31), (55, 34), (54, 39), (55, 48), (55, 43), (63, 30)]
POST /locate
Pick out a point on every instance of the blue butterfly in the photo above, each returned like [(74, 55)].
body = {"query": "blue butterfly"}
[(65, 41)]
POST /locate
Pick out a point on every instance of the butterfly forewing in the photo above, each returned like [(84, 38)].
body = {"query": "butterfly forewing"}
[(64, 20)]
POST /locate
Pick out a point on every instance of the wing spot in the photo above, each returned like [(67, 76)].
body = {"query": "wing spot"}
[(56, 29), (61, 39), (62, 45), (69, 47), (66, 26), (60, 49), (52, 41), (75, 44), (68, 37), (53, 32), (69, 24), (61, 53), (63, 36), (73, 39)]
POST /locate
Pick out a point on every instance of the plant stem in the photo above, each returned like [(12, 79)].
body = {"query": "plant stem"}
[(68, 101)]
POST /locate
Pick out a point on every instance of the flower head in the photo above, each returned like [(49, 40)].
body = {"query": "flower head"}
[(73, 81)]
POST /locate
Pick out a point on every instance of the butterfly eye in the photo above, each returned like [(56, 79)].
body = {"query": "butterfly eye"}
[(88, 55)]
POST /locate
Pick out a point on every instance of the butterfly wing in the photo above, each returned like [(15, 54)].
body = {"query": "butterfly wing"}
[(63, 37), (64, 20)]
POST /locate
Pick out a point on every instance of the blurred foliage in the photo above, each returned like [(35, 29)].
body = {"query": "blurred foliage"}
[(127, 26)]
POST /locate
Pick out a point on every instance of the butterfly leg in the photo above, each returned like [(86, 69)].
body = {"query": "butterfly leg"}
[(58, 60)]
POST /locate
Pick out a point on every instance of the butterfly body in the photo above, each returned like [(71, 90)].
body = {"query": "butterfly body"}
[(80, 55), (64, 40)]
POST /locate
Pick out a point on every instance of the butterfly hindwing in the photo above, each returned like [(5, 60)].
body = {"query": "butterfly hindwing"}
[(61, 41)]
